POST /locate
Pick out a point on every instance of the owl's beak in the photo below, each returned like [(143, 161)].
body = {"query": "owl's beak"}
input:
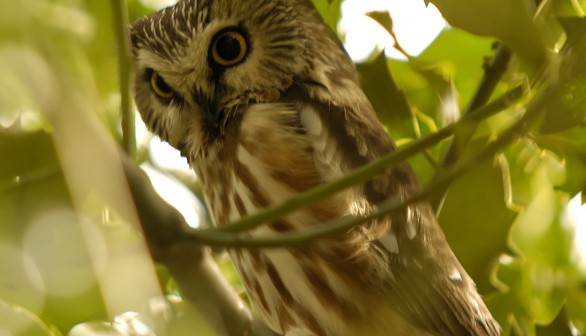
[(208, 106), (211, 115)]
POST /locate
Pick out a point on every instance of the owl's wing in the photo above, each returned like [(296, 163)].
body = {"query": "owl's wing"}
[(428, 285)]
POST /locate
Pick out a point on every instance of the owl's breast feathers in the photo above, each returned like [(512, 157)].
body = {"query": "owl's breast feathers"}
[(396, 274)]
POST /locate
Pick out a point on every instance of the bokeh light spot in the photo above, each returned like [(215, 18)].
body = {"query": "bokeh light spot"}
[(59, 242)]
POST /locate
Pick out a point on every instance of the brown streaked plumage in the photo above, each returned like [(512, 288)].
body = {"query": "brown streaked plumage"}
[(263, 101)]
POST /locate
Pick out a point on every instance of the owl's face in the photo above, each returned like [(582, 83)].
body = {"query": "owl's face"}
[(199, 61)]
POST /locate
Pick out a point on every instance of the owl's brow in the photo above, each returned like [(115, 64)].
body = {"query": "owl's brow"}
[(167, 30)]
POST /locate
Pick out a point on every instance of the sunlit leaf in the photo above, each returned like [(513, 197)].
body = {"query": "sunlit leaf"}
[(508, 20), (571, 146), (330, 11), (531, 169)]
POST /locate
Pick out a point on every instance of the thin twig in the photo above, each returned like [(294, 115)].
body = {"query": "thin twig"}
[(385, 19), (120, 15), (369, 171)]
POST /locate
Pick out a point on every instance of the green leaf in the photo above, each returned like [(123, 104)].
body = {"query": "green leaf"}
[(558, 327), (458, 57), (566, 8), (538, 233), (534, 285), (32, 192), (330, 11), (416, 87), (508, 307), (476, 220), (566, 108), (571, 146), (30, 182), (532, 294), (508, 20), (384, 19), (576, 306), (530, 170), (387, 99)]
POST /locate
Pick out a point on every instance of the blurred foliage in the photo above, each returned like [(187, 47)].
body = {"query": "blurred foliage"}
[(507, 219)]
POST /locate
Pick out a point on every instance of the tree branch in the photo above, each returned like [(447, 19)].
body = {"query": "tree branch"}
[(191, 265), (120, 15)]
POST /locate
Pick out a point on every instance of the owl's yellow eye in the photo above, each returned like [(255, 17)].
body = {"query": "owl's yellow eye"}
[(160, 87), (229, 47)]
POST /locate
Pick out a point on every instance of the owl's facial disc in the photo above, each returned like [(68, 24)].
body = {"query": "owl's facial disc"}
[(200, 63), (228, 48)]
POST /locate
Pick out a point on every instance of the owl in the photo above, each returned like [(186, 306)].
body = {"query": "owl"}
[(263, 101)]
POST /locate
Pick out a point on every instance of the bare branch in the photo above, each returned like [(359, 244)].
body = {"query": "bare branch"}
[(190, 264)]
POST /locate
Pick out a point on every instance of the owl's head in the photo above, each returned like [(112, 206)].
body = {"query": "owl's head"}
[(198, 62)]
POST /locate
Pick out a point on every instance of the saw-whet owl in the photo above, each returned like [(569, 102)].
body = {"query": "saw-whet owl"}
[(263, 101)]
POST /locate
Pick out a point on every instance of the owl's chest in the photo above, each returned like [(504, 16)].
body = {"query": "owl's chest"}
[(268, 159), (258, 175)]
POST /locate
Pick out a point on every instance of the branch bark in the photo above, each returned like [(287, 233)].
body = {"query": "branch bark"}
[(191, 265)]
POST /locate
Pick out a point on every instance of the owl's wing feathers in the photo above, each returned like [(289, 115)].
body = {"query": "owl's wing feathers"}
[(428, 284)]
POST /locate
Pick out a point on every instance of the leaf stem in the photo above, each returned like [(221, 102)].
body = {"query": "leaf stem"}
[(120, 15)]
